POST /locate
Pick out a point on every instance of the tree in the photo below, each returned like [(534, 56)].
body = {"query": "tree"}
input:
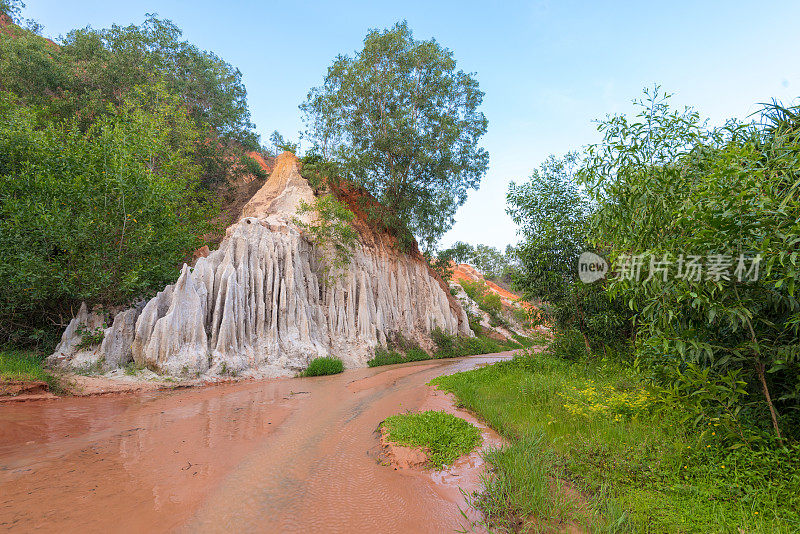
[(12, 8), (459, 252), (489, 260), (281, 144), (116, 59), (668, 187), (103, 216), (402, 121), (553, 213)]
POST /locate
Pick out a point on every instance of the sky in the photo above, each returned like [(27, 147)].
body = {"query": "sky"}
[(549, 69)]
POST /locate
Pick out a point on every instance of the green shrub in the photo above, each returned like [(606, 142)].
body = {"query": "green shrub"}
[(417, 354), (324, 366), (385, 357), (570, 345), (443, 435), (90, 338), (522, 340), (100, 216), (475, 323), (331, 231), (390, 357), (254, 167)]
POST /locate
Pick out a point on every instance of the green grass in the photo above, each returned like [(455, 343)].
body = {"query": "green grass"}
[(630, 467), (324, 366), (389, 357), (25, 365), (448, 346), (444, 436)]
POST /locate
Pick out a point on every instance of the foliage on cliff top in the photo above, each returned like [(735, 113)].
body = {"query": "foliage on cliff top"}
[(108, 139), (401, 120)]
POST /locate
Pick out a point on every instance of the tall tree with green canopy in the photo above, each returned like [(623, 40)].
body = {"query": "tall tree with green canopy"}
[(400, 119)]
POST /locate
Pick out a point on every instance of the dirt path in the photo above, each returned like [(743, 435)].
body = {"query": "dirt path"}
[(285, 455)]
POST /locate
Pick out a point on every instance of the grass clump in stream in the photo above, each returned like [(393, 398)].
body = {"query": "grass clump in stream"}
[(443, 435), (324, 366)]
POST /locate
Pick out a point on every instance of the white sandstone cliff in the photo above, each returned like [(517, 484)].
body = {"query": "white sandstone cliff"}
[(262, 302)]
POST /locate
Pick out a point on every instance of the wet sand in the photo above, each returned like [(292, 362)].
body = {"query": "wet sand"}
[(283, 455)]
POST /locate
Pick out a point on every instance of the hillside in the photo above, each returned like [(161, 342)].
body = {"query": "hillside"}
[(263, 302)]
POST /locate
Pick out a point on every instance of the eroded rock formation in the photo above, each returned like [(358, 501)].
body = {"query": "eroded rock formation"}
[(262, 301)]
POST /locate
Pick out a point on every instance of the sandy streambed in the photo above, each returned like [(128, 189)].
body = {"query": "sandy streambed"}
[(288, 455)]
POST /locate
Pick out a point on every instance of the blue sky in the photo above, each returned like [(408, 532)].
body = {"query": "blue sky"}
[(548, 68)]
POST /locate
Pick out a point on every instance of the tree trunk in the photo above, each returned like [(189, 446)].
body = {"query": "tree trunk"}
[(772, 412)]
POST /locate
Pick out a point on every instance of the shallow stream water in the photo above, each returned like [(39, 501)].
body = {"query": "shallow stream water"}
[(283, 455)]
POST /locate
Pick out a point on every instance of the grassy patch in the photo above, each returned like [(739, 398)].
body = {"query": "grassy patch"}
[(599, 429), (25, 365), (448, 346), (324, 366), (389, 357), (445, 436)]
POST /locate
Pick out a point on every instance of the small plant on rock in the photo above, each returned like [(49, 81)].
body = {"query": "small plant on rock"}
[(90, 337), (330, 231)]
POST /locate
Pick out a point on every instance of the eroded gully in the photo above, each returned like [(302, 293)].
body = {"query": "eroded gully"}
[(284, 455)]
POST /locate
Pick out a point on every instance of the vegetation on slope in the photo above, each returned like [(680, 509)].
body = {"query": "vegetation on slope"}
[(112, 143), (447, 346), (399, 119), (599, 445)]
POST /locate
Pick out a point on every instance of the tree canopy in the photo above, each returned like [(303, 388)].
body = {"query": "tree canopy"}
[(111, 145), (400, 119)]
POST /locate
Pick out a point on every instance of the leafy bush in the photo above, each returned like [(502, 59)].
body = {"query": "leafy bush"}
[(390, 357), (451, 346), (662, 182), (385, 357), (570, 345), (324, 366), (90, 338), (487, 300), (102, 216), (254, 167), (417, 354), (445, 343), (444, 436)]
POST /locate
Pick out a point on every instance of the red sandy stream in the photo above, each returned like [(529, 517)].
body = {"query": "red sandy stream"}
[(284, 455)]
